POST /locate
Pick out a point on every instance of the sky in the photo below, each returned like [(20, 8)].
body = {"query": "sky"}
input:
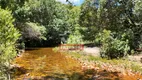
[(75, 2)]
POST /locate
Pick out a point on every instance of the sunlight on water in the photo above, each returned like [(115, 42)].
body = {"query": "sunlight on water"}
[(45, 62)]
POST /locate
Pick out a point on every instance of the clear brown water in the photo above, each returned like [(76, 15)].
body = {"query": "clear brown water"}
[(46, 64)]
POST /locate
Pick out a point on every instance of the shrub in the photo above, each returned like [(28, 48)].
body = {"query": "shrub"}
[(75, 38), (8, 37), (112, 46), (34, 31)]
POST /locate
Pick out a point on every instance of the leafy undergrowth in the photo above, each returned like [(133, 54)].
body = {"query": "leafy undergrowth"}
[(46, 64)]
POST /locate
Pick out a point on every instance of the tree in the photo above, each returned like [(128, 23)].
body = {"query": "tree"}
[(88, 20), (42, 12), (138, 18), (8, 38), (75, 36), (121, 17)]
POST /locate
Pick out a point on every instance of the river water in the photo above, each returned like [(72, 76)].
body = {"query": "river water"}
[(44, 62)]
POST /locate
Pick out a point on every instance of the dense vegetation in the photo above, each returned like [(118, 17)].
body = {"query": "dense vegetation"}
[(117, 25), (113, 24), (8, 37)]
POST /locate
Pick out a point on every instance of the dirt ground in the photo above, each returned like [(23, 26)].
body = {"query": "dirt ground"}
[(95, 51)]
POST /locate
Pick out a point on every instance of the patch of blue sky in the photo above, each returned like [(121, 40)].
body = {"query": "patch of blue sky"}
[(75, 2)]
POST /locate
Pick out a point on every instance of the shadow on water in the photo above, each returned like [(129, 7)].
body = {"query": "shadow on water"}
[(31, 49), (92, 45)]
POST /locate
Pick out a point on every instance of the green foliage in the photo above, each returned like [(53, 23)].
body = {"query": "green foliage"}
[(54, 18), (75, 38), (113, 47), (12, 4), (8, 37), (119, 16), (138, 18), (73, 14), (34, 31), (88, 20), (45, 23)]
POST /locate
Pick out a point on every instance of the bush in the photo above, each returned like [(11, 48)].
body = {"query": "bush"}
[(34, 31), (113, 47), (8, 38), (75, 38)]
